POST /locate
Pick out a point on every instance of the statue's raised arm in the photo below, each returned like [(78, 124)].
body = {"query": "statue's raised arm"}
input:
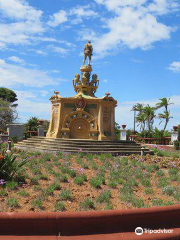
[(88, 50)]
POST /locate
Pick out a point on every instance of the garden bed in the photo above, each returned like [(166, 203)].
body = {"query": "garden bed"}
[(80, 182)]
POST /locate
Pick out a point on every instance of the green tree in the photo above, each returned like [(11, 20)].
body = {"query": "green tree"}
[(165, 116), (8, 113), (8, 95), (32, 124), (117, 130)]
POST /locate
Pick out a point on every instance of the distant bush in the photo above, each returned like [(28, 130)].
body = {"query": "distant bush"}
[(176, 145)]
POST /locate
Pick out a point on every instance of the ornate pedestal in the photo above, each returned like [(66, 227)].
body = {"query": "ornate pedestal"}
[(83, 116)]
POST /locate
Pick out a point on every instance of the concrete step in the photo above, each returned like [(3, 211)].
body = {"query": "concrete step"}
[(77, 142), (79, 146), (122, 153), (76, 146)]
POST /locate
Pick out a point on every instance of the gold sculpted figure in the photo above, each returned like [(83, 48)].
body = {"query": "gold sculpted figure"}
[(88, 49), (76, 80)]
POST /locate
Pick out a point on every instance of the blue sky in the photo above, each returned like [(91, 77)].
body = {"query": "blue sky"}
[(136, 51)]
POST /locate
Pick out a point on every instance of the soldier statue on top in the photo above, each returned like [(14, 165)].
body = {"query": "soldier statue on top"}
[(88, 49)]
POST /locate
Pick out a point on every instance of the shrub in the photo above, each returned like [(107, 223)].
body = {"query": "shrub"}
[(65, 195), (176, 145), (146, 182), (149, 191), (96, 182), (84, 177), (12, 202), (163, 182), (11, 185), (108, 206), (10, 168), (79, 180), (63, 178), (23, 193), (3, 193), (157, 202), (37, 203), (139, 203), (87, 204), (72, 173), (49, 191), (34, 180), (43, 177), (37, 188), (159, 173), (173, 171), (169, 190), (177, 196), (104, 197), (60, 207), (112, 184)]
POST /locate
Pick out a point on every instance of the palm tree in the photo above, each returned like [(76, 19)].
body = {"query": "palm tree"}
[(149, 113), (164, 102), (166, 116), (141, 120), (138, 108)]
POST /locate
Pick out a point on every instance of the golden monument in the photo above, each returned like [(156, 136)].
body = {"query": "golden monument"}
[(83, 116)]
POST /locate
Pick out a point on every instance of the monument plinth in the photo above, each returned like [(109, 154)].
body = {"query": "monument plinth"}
[(83, 116)]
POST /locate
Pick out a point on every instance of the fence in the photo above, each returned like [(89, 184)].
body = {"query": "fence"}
[(160, 141)]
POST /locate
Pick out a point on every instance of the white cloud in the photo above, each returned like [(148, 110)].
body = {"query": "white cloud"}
[(56, 49), (137, 60), (132, 24), (29, 105), (41, 52), (83, 12), (13, 75), (16, 59), (175, 67), (58, 18), (55, 71), (74, 16), (113, 5), (2, 62), (163, 6), (25, 26), (19, 9)]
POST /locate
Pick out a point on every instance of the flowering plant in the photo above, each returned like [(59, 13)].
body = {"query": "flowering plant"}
[(9, 167)]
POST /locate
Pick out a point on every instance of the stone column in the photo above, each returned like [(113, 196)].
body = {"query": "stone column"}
[(113, 122), (40, 131), (100, 122), (174, 136), (123, 134)]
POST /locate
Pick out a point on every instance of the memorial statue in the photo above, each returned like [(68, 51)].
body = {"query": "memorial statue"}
[(88, 49), (76, 80), (95, 80)]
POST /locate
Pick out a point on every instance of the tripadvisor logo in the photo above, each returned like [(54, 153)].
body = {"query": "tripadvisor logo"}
[(139, 231)]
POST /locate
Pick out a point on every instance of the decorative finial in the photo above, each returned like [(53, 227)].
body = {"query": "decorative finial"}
[(88, 50), (56, 92), (107, 94)]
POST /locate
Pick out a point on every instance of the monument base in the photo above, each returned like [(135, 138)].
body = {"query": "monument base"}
[(82, 117)]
